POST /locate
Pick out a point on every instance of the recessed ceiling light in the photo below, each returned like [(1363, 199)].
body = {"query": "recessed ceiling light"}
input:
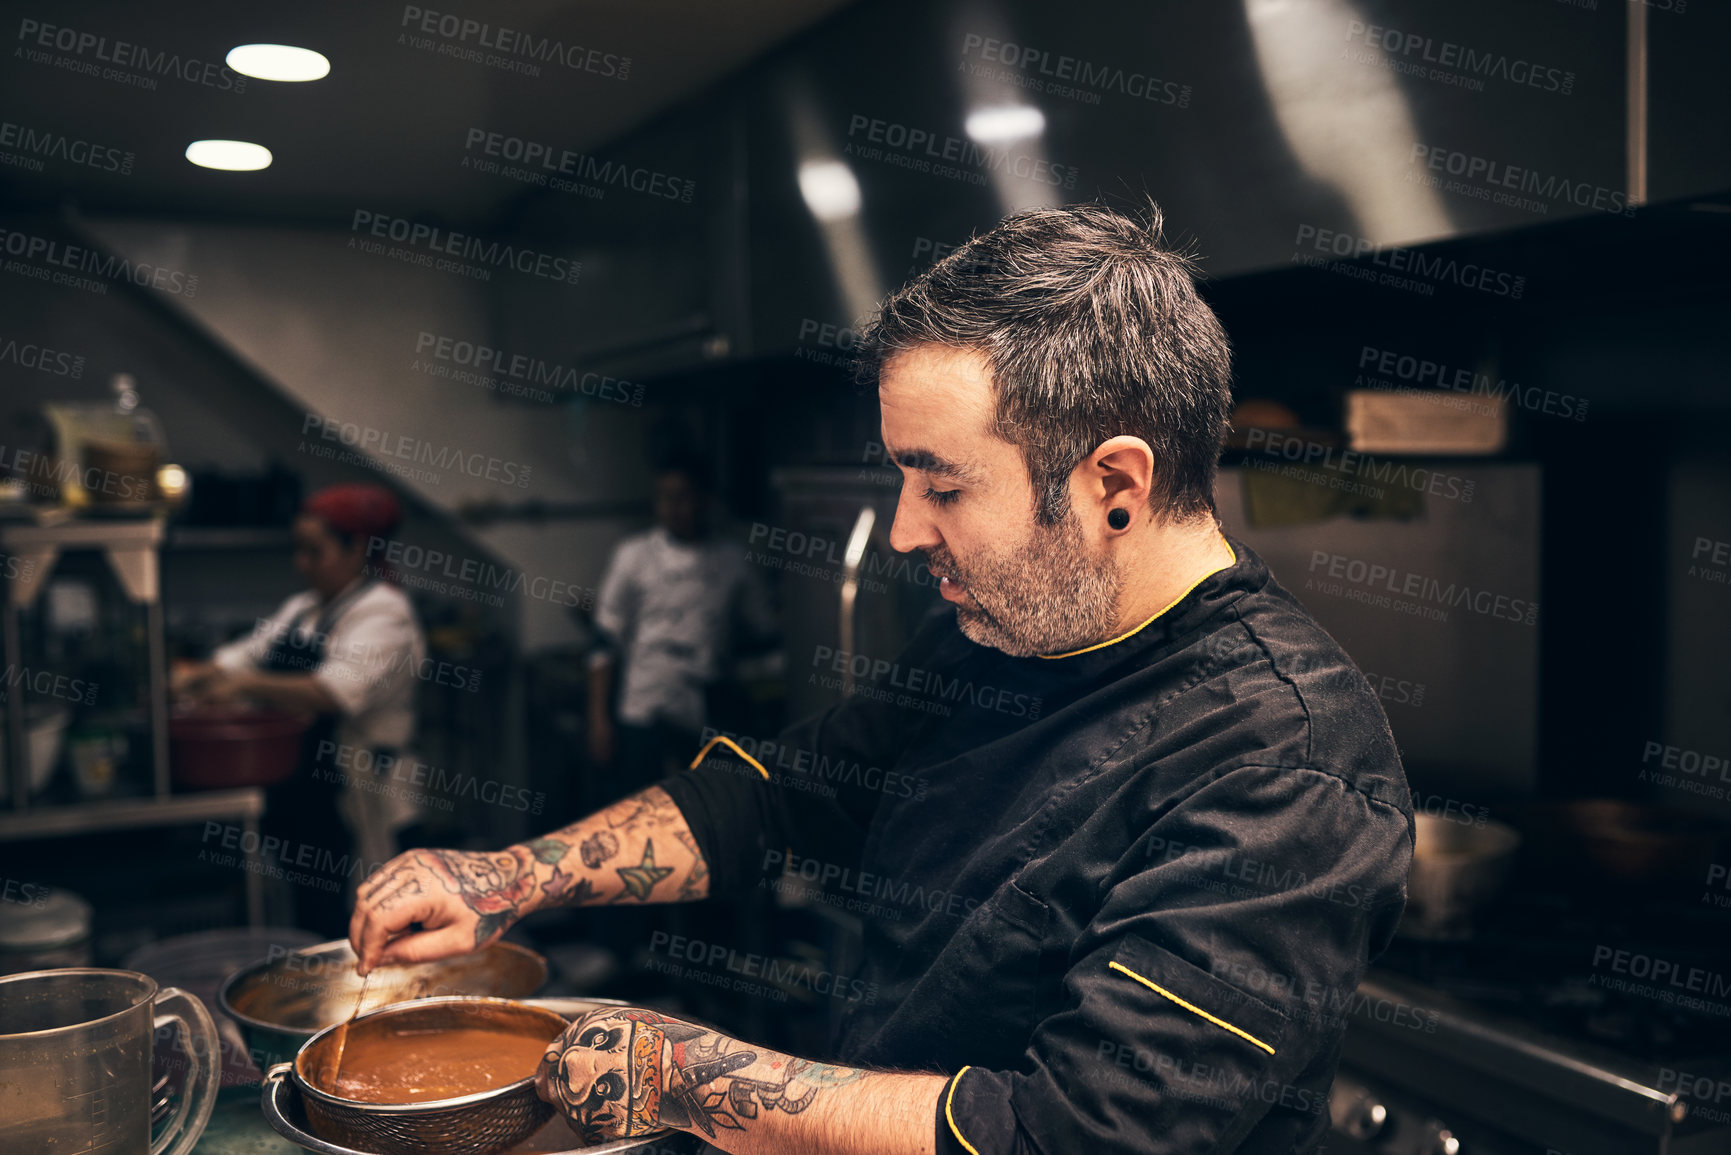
[(278, 62), (231, 155), (1012, 122), (829, 189)]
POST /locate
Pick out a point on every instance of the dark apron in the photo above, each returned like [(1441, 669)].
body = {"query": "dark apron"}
[(302, 811)]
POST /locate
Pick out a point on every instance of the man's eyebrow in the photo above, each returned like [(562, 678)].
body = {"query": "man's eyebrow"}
[(926, 461)]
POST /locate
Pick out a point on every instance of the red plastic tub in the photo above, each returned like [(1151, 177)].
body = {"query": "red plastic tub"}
[(216, 749)]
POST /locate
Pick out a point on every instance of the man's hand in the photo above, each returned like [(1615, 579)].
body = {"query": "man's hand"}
[(462, 900), (621, 1072)]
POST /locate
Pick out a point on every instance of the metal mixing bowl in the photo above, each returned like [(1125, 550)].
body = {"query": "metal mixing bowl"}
[(478, 1124), (281, 1002)]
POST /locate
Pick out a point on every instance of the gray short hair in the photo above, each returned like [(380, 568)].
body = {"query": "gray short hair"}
[(1093, 329)]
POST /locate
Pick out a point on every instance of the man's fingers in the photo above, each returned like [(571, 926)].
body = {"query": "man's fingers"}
[(392, 911)]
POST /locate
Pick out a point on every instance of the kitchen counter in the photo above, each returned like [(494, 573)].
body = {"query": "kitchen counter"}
[(238, 1127)]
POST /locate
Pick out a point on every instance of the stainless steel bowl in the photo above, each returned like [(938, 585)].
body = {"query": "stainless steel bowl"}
[(281, 1002), (284, 1109), (477, 1124)]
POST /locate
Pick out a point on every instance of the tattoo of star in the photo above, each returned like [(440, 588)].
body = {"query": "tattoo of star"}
[(639, 880)]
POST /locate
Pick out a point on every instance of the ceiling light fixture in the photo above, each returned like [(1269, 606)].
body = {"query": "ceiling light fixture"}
[(829, 189), (229, 155), (1007, 123), (279, 62)]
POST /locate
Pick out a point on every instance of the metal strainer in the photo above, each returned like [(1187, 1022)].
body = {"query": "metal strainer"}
[(479, 1124)]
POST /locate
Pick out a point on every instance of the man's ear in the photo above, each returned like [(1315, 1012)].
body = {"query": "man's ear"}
[(1119, 474)]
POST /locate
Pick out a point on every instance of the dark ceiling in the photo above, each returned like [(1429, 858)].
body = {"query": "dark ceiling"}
[(387, 128)]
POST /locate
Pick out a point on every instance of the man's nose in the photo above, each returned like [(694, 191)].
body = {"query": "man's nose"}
[(913, 527)]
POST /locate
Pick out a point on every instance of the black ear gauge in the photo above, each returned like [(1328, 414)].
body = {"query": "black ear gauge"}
[(1118, 518)]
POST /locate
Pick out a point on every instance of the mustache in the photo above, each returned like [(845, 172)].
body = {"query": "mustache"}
[(941, 563)]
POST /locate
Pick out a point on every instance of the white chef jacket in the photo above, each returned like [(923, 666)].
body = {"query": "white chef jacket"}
[(671, 608), (372, 653)]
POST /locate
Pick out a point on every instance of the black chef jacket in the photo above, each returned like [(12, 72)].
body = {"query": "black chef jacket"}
[(1123, 897)]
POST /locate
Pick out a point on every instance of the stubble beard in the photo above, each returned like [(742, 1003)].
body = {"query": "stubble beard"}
[(1044, 596)]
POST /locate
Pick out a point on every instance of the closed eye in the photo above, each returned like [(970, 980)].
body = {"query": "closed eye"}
[(941, 496)]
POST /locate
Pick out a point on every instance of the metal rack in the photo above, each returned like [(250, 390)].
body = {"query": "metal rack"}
[(131, 548)]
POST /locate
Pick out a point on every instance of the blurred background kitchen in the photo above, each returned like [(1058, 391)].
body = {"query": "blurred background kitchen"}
[(566, 277)]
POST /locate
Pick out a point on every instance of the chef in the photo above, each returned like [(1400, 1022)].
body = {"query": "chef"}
[(676, 603), (344, 650), (1158, 823)]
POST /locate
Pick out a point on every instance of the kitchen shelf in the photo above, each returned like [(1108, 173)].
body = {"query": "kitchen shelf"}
[(132, 548), (130, 814), (215, 537), (244, 805)]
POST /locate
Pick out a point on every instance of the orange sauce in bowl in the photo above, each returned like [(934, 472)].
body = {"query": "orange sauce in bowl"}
[(414, 1066)]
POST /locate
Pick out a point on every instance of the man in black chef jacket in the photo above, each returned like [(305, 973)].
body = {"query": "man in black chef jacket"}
[(1137, 822)]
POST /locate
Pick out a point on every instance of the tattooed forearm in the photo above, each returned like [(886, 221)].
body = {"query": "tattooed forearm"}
[(425, 903), (622, 854), (622, 1072)]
